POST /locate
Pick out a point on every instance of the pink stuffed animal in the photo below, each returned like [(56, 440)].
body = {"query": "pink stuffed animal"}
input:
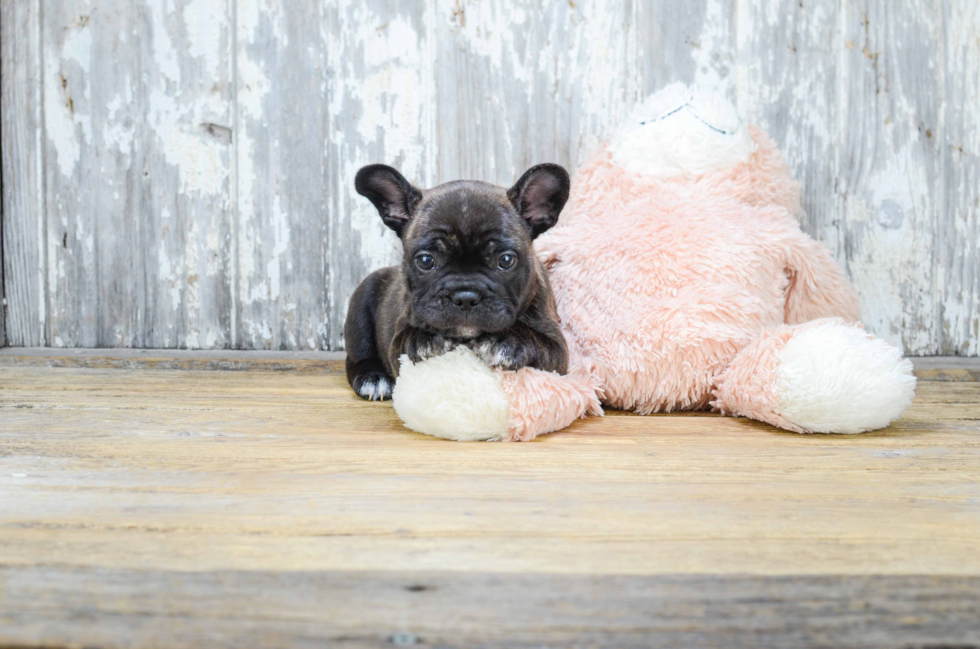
[(683, 282)]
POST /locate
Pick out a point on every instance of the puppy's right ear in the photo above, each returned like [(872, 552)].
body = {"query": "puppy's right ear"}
[(394, 196)]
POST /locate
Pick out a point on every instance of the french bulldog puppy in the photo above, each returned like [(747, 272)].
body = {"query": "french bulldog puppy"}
[(469, 276)]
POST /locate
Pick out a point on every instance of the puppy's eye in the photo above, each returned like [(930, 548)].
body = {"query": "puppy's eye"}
[(506, 261), (425, 261)]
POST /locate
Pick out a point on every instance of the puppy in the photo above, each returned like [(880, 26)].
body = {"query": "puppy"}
[(469, 276)]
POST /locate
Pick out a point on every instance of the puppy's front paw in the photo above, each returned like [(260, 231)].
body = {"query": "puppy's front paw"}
[(499, 353), (373, 386), (424, 345)]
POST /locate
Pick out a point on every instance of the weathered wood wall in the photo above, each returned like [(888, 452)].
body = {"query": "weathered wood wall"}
[(178, 173)]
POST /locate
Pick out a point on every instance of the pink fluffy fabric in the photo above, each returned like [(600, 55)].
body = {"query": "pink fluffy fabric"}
[(543, 402), (748, 387), (661, 282)]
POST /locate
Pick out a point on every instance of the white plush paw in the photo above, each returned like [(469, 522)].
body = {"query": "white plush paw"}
[(453, 396), (837, 378)]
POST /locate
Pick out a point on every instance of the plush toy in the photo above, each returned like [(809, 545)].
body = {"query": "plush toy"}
[(683, 282)]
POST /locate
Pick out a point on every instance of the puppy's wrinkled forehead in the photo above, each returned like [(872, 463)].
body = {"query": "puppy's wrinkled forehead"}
[(468, 213)]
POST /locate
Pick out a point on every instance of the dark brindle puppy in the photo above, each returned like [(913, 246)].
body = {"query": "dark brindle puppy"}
[(469, 276)]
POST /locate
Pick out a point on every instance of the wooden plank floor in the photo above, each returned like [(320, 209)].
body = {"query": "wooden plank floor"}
[(192, 507)]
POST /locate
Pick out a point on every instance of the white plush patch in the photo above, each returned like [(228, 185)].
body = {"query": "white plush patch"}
[(453, 396), (375, 390), (837, 378), (682, 131)]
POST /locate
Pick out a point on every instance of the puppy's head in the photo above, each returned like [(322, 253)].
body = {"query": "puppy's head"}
[(468, 257)]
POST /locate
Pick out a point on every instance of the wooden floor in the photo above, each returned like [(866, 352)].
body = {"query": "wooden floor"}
[(161, 502)]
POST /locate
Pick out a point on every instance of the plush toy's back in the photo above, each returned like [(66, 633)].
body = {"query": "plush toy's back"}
[(666, 265)]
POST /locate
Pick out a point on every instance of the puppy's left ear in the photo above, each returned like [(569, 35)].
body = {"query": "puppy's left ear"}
[(539, 196)]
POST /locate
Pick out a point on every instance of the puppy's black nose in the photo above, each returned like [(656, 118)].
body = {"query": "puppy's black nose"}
[(465, 299)]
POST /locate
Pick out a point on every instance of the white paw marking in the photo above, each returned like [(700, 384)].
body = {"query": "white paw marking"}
[(484, 350), (435, 348), (495, 355), (375, 390), (502, 358)]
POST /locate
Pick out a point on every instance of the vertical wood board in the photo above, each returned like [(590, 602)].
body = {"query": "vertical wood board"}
[(787, 70), (22, 209), (889, 166), (958, 224), (137, 99), (281, 191)]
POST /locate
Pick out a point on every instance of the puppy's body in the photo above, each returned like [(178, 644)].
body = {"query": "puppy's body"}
[(469, 276)]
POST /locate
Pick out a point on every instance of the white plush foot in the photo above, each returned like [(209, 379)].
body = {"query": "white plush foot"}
[(837, 378), (453, 396)]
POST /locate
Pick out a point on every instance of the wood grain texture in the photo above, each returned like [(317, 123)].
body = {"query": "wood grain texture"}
[(137, 167), (194, 184), (889, 170), (494, 611), (929, 368), (281, 175), (959, 221), (276, 509), (786, 75), (92, 227), (3, 299), (525, 83), (691, 42), (187, 80), (382, 103), (22, 208)]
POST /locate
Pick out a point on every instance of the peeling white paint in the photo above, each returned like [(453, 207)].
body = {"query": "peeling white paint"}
[(388, 91), (280, 246), (168, 274), (392, 119), (205, 21), (59, 111), (118, 132), (478, 89), (177, 124), (712, 53), (182, 141), (165, 55), (78, 46)]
